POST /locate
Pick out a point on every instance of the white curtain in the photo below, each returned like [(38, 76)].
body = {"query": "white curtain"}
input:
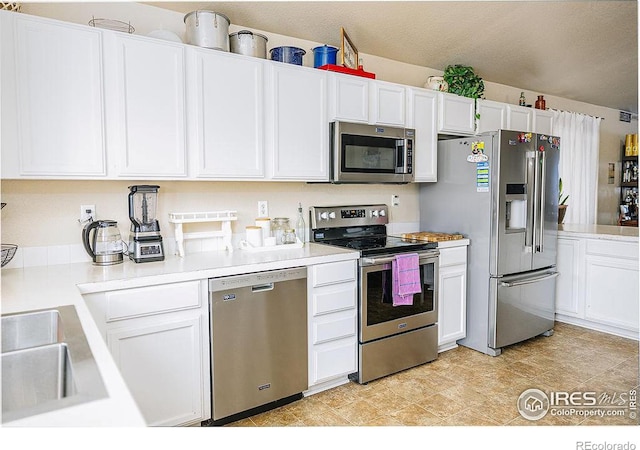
[(579, 145)]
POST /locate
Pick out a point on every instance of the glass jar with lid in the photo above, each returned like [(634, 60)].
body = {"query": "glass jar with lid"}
[(278, 228), (289, 236)]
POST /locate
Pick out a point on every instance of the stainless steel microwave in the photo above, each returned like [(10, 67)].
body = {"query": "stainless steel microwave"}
[(362, 153)]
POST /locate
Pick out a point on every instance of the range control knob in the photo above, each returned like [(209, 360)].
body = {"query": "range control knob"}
[(332, 215), (383, 213), (324, 216), (374, 213)]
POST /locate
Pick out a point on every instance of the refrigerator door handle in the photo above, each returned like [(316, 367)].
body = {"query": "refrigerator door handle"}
[(531, 280), (530, 181), (541, 202)]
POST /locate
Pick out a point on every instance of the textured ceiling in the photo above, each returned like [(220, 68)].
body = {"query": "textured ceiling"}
[(580, 50)]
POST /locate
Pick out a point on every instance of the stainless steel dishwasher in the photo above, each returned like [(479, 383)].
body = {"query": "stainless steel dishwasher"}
[(258, 342)]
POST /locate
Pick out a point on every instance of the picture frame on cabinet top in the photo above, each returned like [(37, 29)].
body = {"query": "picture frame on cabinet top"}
[(349, 51)]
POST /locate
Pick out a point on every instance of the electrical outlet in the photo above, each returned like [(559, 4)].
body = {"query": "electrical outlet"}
[(395, 200), (87, 213), (263, 208)]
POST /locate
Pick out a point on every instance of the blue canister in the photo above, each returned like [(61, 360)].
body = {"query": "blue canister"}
[(291, 55), (325, 54)]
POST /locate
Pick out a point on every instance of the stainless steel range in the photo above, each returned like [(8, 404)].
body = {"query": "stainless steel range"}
[(392, 336)]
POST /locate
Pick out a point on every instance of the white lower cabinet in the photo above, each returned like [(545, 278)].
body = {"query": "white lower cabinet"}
[(598, 286), (452, 296), (159, 339), (332, 315)]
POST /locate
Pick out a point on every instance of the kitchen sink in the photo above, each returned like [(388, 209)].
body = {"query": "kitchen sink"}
[(47, 364)]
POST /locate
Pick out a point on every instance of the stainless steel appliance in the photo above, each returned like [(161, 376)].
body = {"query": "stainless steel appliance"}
[(105, 245), (500, 189), (362, 153), (145, 241), (390, 338), (258, 342)]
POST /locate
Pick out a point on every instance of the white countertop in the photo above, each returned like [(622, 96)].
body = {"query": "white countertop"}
[(50, 286), (611, 232)]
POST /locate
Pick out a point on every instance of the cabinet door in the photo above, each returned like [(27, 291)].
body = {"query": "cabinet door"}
[(161, 362), (567, 284), (348, 98), (422, 113), (493, 116), (148, 106), (542, 121), (452, 307), (456, 114), (227, 107), (59, 99), (611, 291), (297, 121), (387, 104), (519, 118)]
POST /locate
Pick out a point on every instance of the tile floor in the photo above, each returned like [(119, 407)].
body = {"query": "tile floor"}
[(464, 387)]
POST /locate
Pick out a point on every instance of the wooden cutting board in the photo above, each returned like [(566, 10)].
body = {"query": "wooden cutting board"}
[(430, 236)]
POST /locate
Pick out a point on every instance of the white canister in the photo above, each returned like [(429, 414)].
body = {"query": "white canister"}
[(254, 236), (265, 224), (437, 84), (208, 29)]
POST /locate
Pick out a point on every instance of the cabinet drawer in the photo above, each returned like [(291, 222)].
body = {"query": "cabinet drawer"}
[(612, 248), (334, 298), (334, 359), (453, 256), (152, 300), (332, 328), (334, 273)]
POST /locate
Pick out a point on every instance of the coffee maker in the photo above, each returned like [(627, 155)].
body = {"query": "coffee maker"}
[(145, 241)]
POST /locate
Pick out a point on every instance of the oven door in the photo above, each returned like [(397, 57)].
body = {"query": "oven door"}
[(378, 317)]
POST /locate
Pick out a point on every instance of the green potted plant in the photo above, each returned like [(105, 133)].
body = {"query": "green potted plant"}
[(562, 202), (462, 80)]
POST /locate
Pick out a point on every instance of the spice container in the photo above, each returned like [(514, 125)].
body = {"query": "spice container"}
[(289, 236)]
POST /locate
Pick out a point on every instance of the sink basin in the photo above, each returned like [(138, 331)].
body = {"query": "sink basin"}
[(30, 330), (46, 363), (36, 375)]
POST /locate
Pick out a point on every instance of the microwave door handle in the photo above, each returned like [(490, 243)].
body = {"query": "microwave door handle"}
[(401, 161)]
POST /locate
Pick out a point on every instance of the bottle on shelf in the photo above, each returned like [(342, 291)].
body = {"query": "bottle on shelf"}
[(541, 103), (300, 225), (522, 100)]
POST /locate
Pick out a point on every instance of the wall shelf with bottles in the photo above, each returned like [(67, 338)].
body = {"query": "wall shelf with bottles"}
[(629, 189)]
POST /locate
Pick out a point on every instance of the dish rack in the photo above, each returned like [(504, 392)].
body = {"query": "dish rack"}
[(223, 217), (8, 252)]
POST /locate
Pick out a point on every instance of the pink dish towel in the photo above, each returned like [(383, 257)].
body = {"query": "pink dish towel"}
[(405, 270)]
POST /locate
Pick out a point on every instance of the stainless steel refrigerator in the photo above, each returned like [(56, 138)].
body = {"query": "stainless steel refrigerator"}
[(500, 189)]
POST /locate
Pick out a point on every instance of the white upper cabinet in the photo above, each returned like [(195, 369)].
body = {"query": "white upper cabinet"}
[(348, 98), (422, 112), (456, 114), (146, 106), (387, 104), (297, 124), (492, 116), (543, 121), (519, 118), (226, 114), (58, 103)]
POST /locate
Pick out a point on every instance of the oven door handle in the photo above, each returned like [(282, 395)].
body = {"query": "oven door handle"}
[(424, 257)]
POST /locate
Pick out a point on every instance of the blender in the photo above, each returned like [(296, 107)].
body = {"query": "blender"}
[(145, 242)]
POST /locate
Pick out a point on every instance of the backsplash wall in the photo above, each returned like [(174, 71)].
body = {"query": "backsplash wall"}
[(43, 213)]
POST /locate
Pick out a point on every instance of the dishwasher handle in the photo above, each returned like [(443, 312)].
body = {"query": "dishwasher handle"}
[(262, 287)]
